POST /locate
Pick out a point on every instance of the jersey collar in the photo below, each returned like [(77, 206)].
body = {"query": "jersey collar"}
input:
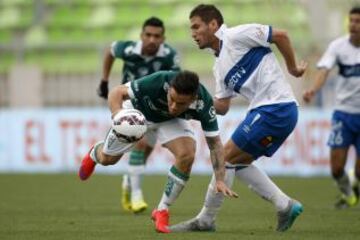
[(220, 32)]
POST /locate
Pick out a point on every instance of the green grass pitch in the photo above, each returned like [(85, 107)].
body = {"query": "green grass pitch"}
[(62, 207)]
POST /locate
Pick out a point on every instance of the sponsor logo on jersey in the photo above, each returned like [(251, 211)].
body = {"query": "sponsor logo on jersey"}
[(156, 66), (212, 113), (260, 33), (236, 77), (129, 50), (197, 105), (143, 71)]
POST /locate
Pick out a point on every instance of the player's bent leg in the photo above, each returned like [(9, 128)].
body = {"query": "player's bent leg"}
[(260, 183), (205, 220), (94, 156), (287, 217), (183, 149), (88, 162), (106, 153), (338, 160)]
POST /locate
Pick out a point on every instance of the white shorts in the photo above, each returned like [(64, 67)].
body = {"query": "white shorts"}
[(163, 132)]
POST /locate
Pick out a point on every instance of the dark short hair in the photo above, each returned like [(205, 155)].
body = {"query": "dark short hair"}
[(186, 83), (155, 22), (355, 10), (207, 12)]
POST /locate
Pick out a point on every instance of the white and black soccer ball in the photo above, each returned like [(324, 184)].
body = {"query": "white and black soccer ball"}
[(129, 125)]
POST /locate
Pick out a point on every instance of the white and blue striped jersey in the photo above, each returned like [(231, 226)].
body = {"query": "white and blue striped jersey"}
[(347, 57), (247, 66)]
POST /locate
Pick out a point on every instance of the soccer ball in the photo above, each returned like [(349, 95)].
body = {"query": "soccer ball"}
[(129, 125)]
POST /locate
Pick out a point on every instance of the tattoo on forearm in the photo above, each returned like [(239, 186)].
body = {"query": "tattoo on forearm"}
[(217, 157)]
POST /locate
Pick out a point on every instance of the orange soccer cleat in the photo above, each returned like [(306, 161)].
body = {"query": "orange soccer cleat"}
[(87, 167), (161, 220)]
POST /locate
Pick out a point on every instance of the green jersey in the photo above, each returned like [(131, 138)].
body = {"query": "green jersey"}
[(137, 65), (149, 95)]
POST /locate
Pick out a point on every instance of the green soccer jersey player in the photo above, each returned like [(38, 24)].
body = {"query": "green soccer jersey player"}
[(148, 55), (167, 99)]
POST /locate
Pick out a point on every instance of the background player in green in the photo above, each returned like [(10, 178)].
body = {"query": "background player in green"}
[(167, 99), (148, 55)]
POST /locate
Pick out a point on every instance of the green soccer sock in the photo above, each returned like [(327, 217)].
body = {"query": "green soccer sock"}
[(174, 186), (137, 157)]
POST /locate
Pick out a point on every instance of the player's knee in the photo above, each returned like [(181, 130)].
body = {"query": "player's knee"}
[(185, 160)]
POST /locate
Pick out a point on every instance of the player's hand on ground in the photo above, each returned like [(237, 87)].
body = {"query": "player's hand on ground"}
[(299, 70), (308, 95), (103, 89), (221, 187)]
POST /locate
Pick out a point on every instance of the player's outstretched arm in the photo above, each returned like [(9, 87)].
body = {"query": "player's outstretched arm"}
[(116, 97), (282, 41), (320, 79), (217, 160)]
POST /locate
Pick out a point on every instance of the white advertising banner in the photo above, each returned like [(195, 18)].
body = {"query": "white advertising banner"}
[(54, 140)]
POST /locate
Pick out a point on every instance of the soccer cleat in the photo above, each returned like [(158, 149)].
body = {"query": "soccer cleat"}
[(125, 199), (138, 206), (161, 220), (287, 217), (346, 202), (87, 167), (194, 225)]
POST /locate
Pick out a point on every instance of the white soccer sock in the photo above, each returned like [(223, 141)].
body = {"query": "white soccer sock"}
[(93, 155), (174, 186), (261, 184), (214, 200), (135, 177), (344, 185), (125, 182)]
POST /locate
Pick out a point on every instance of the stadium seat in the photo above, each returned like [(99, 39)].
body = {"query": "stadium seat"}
[(92, 24)]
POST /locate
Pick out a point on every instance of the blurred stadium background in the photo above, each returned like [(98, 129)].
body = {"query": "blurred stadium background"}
[(51, 55), (51, 50)]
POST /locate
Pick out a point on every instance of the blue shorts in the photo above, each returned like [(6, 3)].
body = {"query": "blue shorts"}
[(265, 128), (345, 131)]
